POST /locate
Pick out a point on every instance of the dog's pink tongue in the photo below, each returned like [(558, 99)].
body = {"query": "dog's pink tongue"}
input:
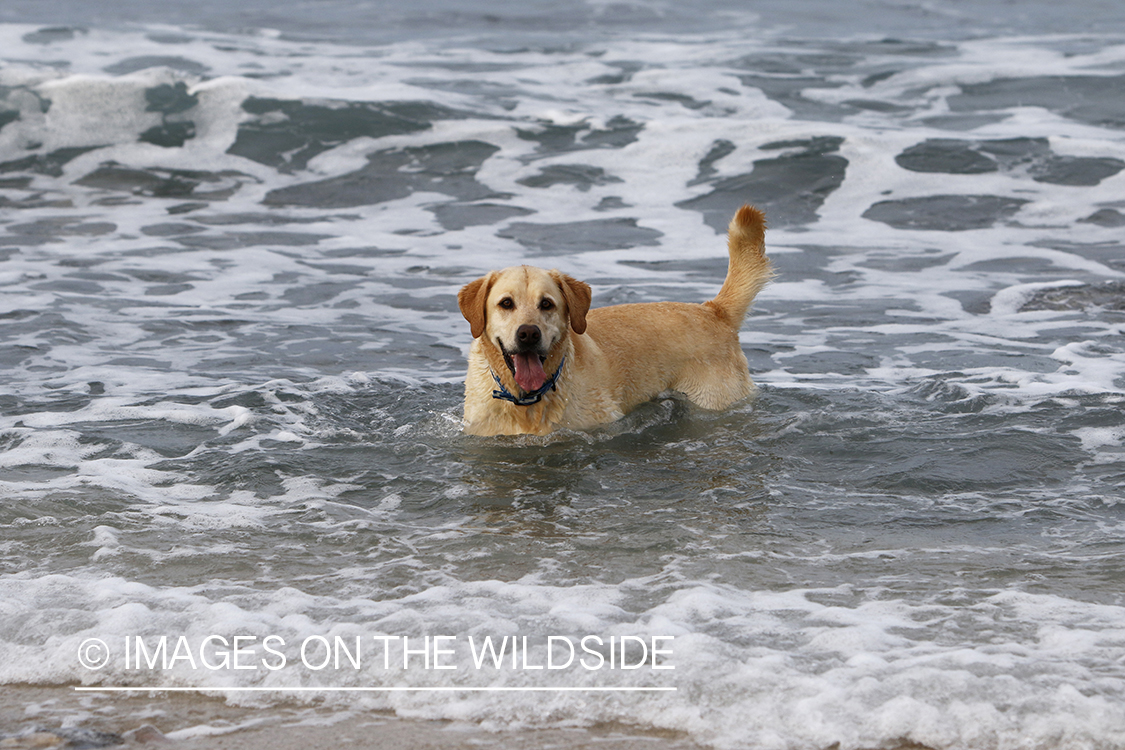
[(529, 372)]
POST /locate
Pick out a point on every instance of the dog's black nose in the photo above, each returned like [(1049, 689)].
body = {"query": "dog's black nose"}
[(528, 335)]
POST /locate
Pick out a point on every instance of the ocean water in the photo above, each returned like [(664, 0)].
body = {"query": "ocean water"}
[(230, 245)]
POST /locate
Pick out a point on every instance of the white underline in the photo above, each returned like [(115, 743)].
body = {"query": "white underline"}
[(161, 689)]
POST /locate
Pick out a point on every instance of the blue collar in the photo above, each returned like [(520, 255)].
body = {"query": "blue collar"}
[(532, 398)]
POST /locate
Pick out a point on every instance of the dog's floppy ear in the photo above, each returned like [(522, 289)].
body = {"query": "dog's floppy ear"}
[(577, 296), (472, 299)]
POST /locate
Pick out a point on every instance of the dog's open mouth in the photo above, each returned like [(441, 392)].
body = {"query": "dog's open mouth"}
[(527, 367)]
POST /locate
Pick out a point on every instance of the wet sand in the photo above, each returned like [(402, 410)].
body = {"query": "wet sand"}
[(44, 717)]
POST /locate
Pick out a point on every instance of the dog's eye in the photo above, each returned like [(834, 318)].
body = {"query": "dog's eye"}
[(507, 303), (546, 304)]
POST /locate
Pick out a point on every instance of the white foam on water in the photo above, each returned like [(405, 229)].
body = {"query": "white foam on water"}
[(760, 669), (865, 666)]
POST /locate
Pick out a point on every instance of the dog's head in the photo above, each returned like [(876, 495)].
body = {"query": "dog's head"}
[(526, 313)]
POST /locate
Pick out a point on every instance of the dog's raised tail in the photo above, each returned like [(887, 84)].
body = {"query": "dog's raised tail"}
[(749, 268)]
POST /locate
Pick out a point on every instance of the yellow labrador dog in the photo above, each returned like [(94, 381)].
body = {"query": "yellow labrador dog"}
[(541, 359)]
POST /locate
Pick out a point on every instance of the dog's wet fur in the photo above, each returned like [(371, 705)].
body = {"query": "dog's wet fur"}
[(530, 325)]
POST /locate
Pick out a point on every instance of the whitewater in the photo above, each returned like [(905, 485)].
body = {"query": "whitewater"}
[(232, 362)]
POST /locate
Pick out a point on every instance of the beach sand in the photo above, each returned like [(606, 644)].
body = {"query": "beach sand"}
[(44, 717)]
